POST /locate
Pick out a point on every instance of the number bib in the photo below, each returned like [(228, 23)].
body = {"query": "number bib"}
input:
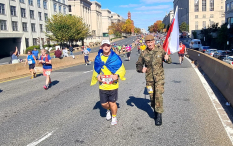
[(29, 61), (48, 73), (107, 79)]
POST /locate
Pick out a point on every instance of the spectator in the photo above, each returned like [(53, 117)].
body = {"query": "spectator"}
[(35, 53), (58, 53), (86, 56), (14, 57), (71, 50), (65, 52)]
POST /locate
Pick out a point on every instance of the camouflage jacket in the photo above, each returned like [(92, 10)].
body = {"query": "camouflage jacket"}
[(153, 60)]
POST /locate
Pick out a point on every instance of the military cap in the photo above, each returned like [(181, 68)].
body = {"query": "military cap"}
[(149, 38)]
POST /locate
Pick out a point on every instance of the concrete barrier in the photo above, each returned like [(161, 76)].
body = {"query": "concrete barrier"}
[(220, 73)]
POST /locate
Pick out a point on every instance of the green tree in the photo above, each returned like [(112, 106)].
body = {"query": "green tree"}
[(137, 30), (66, 28), (128, 26), (184, 27)]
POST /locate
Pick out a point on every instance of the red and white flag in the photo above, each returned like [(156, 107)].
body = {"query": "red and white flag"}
[(171, 43)]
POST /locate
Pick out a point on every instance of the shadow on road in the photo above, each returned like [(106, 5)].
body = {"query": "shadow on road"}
[(141, 104), (54, 82), (1, 90), (102, 110), (175, 63)]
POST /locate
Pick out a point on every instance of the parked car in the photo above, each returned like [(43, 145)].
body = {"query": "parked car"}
[(229, 60), (195, 44), (220, 54), (211, 51), (203, 48)]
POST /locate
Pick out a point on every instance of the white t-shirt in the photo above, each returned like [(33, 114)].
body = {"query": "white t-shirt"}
[(86, 52)]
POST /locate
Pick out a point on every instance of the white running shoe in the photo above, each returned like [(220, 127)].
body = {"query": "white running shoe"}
[(114, 121), (108, 115)]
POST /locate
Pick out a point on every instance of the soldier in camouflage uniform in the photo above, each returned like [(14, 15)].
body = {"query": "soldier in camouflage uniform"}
[(153, 58)]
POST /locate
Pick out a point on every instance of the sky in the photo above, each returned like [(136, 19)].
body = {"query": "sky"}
[(143, 12)]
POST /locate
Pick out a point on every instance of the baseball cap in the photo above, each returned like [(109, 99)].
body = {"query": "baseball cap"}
[(149, 38), (106, 42)]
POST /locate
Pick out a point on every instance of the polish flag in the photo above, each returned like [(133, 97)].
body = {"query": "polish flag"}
[(171, 43)]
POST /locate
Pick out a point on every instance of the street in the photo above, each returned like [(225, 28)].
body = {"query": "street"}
[(69, 113)]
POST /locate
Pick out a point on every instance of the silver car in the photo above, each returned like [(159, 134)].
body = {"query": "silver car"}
[(229, 60), (211, 52)]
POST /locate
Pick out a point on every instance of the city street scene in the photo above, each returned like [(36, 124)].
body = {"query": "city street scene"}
[(110, 73)]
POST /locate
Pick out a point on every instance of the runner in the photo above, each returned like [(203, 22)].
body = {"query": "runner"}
[(182, 52), (107, 74), (35, 52), (128, 50), (139, 49), (46, 61), (119, 49), (31, 60), (86, 56)]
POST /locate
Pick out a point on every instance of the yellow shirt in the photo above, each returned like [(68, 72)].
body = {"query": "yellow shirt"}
[(105, 71)]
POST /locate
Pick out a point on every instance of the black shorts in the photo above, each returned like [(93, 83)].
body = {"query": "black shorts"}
[(108, 95), (31, 66), (181, 55), (128, 54)]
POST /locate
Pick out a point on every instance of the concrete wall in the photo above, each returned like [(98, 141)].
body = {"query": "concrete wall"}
[(220, 73)]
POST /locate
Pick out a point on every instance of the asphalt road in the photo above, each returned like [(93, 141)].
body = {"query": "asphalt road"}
[(129, 40), (70, 114)]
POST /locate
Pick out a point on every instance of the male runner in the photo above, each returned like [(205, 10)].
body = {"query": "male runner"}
[(181, 52), (108, 67)]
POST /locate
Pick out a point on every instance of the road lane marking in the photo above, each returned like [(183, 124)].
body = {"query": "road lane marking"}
[(87, 71), (226, 122), (45, 136)]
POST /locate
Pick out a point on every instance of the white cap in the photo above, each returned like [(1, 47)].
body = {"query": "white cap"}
[(105, 42)]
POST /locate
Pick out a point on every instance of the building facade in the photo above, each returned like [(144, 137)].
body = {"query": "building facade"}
[(96, 21), (199, 14), (106, 21), (116, 18), (229, 11), (23, 22), (168, 18)]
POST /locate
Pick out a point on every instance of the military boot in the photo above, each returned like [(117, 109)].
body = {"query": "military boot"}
[(158, 119)]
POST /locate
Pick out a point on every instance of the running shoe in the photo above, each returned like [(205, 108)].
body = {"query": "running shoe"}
[(34, 75), (108, 115), (86, 64), (114, 121), (45, 87)]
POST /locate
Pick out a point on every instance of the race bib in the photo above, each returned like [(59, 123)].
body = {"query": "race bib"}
[(149, 89), (29, 61), (106, 79), (48, 73)]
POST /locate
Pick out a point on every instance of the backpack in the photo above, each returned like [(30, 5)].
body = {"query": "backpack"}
[(46, 58)]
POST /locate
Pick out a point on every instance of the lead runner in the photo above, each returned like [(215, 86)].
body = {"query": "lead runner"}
[(108, 68)]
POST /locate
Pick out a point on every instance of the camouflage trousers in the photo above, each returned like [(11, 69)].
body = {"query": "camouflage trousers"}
[(156, 97)]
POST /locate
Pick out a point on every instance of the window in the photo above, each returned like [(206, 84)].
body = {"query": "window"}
[(22, 1), (223, 21), (31, 14), (196, 25), (34, 41), (211, 15), (38, 3), (42, 40), (69, 7), (25, 28), (196, 6), (203, 5), (59, 1), (14, 26), (204, 15), (33, 27), (204, 24), (228, 7), (64, 1), (23, 13), (41, 28), (45, 16), (211, 5), (231, 5), (39, 15), (221, 7), (64, 9), (27, 42), (13, 11), (60, 9), (55, 7), (196, 16), (45, 4), (30, 2), (2, 9), (3, 24)]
